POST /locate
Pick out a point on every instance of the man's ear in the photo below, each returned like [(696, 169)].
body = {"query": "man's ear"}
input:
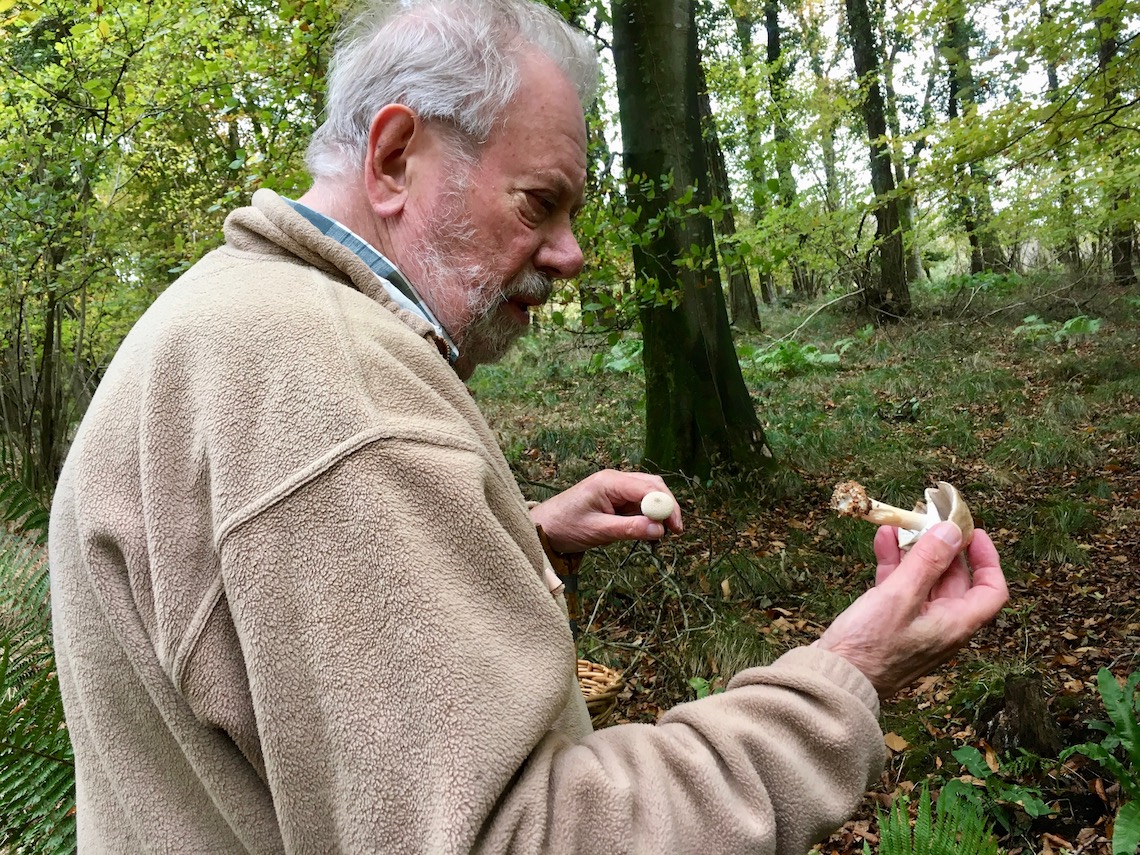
[(385, 173)]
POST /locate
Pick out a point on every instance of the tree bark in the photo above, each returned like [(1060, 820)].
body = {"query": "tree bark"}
[(699, 414), (888, 297), (745, 313), (974, 203), (1121, 226), (754, 143), (779, 71)]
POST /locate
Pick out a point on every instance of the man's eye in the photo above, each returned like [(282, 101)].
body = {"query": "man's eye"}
[(540, 205)]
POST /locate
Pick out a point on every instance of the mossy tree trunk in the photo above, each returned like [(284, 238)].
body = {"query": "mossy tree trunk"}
[(1121, 224), (745, 312), (754, 138), (699, 414), (973, 185), (887, 297)]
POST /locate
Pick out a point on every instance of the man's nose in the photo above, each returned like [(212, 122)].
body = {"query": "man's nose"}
[(559, 256)]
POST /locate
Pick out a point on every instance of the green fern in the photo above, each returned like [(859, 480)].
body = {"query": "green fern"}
[(952, 827), (37, 770), (21, 506), (1121, 740)]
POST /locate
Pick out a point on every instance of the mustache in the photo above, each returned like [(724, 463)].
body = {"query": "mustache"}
[(529, 286)]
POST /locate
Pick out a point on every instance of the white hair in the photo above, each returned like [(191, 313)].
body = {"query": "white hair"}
[(451, 61)]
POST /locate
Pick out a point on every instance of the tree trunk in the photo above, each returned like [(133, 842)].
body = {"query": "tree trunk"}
[(779, 70), (699, 414), (1071, 247), (914, 272), (745, 313), (814, 43), (974, 204), (1024, 720), (1123, 244), (888, 298), (754, 144), (1121, 225)]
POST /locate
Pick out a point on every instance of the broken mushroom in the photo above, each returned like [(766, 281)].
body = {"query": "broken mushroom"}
[(657, 505), (943, 502)]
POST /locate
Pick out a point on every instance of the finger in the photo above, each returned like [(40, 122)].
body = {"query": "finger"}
[(629, 486), (927, 560), (887, 552), (981, 605), (955, 582), (608, 529), (989, 585)]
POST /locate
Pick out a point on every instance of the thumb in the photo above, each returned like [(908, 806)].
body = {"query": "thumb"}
[(634, 527), (929, 558)]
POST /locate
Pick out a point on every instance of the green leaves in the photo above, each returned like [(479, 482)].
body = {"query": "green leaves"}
[(1121, 740), (1126, 831), (624, 357), (952, 827), (37, 778), (1035, 328), (996, 796), (785, 357)]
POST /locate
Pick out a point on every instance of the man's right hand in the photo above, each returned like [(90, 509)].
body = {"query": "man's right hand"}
[(924, 606)]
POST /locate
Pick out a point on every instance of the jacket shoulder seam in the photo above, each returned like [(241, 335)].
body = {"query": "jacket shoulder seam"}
[(314, 469), (194, 630)]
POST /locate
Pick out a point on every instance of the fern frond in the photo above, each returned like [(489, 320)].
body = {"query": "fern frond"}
[(962, 825), (894, 829), (945, 837), (923, 825), (37, 771), (951, 827), (19, 504)]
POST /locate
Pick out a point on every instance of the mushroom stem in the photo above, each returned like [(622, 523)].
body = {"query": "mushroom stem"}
[(850, 499), (883, 514)]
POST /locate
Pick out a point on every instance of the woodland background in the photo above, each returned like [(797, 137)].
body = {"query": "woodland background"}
[(824, 241)]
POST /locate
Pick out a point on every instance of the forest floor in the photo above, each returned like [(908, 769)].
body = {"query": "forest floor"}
[(1038, 423)]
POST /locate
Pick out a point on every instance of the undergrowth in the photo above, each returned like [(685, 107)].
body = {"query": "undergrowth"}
[(1038, 428)]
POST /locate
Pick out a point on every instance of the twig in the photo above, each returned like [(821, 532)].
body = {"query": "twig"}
[(1006, 308), (816, 312), (597, 605)]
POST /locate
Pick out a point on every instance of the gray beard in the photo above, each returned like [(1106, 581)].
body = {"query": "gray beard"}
[(448, 255), (493, 329)]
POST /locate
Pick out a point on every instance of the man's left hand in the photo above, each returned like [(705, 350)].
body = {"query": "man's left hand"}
[(601, 509)]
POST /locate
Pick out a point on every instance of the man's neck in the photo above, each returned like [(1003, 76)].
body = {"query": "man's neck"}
[(341, 202)]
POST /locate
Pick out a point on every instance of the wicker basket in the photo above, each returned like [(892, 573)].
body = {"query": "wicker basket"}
[(600, 687)]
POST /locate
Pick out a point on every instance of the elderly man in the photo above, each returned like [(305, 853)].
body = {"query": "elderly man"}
[(300, 604)]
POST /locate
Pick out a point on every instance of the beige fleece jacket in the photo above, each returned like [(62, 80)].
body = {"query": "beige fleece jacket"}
[(299, 607)]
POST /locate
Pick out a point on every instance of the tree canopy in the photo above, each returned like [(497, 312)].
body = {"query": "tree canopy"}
[(1002, 142)]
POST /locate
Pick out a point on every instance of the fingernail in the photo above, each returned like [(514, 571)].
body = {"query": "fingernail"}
[(948, 533), (655, 530)]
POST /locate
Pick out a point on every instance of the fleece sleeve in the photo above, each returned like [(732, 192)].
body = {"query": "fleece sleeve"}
[(409, 673)]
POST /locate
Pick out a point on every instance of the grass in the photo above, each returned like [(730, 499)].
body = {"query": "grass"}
[(1042, 436)]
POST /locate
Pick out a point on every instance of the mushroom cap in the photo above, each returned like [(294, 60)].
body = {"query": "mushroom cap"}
[(950, 505), (943, 503), (657, 505), (850, 499)]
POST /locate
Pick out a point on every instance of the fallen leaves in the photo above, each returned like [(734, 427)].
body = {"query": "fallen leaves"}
[(895, 743)]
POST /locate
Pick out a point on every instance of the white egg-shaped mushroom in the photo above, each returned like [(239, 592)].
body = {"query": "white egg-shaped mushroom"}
[(657, 505)]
